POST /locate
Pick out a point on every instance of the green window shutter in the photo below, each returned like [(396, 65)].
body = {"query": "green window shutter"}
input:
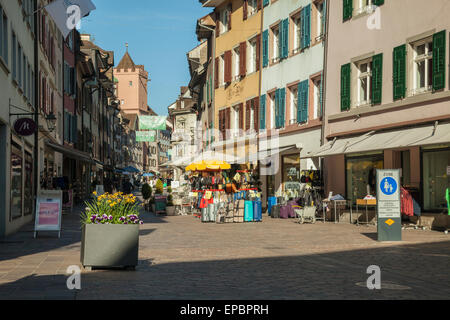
[(265, 44), (307, 25), (282, 107), (378, 2), (265, 3), (303, 101), (285, 38), (277, 110), (345, 87), (348, 9), (399, 72), (439, 40), (377, 78), (262, 112)]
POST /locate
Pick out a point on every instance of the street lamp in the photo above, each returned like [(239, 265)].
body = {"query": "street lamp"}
[(51, 122)]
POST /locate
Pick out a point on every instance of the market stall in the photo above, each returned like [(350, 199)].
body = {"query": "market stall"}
[(224, 193)]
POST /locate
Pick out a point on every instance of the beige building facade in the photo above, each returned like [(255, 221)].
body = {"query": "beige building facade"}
[(387, 98)]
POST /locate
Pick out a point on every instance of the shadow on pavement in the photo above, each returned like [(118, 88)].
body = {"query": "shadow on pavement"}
[(335, 275)]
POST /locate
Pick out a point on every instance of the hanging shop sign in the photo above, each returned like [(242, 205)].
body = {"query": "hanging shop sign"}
[(48, 211), (152, 123), (145, 136), (388, 205), (25, 127)]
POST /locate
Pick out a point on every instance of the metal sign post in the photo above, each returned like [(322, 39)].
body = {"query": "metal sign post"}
[(388, 205)]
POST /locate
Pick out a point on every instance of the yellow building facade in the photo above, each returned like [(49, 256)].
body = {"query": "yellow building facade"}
[(237, 68)]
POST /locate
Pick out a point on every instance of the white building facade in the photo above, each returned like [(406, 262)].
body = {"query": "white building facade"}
[(293, 42)]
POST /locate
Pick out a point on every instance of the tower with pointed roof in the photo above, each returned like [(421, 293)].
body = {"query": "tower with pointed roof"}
[(132, 86)]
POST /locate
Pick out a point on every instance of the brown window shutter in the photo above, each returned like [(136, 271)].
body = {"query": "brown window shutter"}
[(230, 10), (259, 4), (258, 51), (245, 7), (227, 59), (241, 116), (216, 73), (247, 115), (256, 113), (217, 24), (243, 59)]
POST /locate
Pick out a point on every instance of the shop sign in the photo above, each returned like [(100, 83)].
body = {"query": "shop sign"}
[(175, 184), (152, 122), (145, 136), (48, 211), (25, 127)]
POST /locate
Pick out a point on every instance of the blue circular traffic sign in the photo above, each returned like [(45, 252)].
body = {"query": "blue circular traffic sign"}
[(388, 186)]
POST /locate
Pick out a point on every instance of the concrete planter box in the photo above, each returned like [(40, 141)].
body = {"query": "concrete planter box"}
[(170, 210), (109, 245)]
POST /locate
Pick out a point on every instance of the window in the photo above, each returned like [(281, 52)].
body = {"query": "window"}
[(222, 70), (236, 120), (297, 32), (224, 20), (293, 102), (236, 63), (252, 7), (14, 56), (272, 110), (423, 66), (276, 44), (252, 56), (364, 82), (131, 83), (363, 6), (3, 35), (319, 20), (317, 98), (19, 69)]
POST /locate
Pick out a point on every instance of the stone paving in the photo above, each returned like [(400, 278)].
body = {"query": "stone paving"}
[(182, 258)]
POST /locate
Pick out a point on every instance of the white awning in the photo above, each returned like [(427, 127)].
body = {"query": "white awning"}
[(265, 154), (385, 140)]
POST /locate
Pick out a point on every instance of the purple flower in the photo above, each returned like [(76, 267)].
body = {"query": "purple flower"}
[(111, 217), (125, 222), (141, 222)]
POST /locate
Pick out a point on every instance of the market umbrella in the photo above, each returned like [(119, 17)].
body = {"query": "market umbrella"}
[(208, 165), (131, 169)]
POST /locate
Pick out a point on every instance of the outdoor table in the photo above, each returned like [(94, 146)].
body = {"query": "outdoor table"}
[(367, 203)]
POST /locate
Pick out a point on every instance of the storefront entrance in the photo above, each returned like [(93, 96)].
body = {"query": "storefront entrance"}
[(361, 175), (436, 165)]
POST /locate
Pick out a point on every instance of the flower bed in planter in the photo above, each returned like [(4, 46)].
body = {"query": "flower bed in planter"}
[(110, 232)]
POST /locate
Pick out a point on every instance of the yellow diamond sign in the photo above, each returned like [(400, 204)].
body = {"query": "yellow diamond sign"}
[(390, 222)]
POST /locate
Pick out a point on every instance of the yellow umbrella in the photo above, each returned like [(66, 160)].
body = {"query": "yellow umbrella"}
[(208, 165)]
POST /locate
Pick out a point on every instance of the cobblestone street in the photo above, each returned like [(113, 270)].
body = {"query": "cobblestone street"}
[(182, 258)]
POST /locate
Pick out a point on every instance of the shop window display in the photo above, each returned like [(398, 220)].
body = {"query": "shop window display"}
[(16, 181), (361, 176), (435, 179), (291, 175), (28, 187)]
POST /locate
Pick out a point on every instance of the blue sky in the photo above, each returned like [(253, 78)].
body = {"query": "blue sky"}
[(159, 34)]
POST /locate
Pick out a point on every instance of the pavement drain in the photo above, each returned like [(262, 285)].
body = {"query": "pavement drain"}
[(386, 285)]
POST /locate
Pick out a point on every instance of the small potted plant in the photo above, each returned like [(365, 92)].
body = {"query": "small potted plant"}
[(160, 200), (110, 231), (146, 194), (170, 208)]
